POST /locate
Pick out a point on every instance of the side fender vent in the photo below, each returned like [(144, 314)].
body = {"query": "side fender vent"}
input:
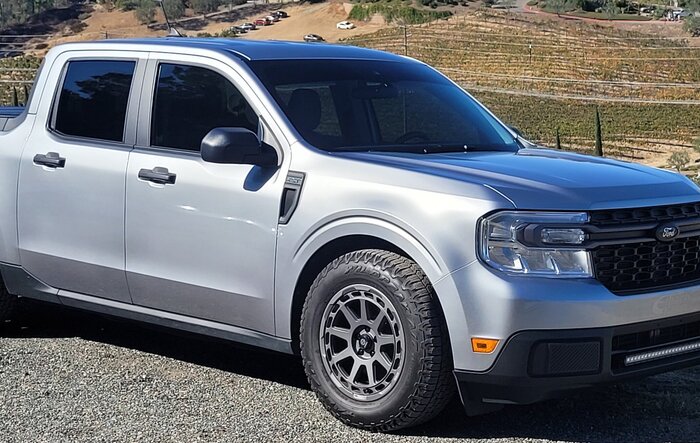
[(290, 195)]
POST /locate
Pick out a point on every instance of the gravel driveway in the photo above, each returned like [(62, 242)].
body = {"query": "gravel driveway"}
[(72, 376)]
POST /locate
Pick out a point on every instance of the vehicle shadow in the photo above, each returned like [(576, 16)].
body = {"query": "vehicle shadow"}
[(664, 407), (44, 320)]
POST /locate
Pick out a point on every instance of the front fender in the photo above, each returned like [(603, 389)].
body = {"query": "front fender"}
[(292, 257)]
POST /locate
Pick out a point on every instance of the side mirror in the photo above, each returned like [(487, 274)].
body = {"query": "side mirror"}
[(236, 146)]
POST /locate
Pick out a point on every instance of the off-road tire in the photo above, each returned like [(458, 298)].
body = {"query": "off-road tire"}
[(426, 384)]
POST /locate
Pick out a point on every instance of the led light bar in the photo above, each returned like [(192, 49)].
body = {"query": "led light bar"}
[(662, 353)]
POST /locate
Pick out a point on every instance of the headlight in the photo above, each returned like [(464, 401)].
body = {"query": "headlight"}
[(546, 244)]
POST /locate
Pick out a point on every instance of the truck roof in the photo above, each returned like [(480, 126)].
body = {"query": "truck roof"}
[(248, 49)]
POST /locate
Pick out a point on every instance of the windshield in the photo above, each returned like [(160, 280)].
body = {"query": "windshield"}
[(362, 105)]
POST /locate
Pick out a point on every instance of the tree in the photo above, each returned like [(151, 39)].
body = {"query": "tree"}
[(610, 9), (692, 25), (598, 134), (174, 8), (204, 6), (558, 140), (696, 145), (559, 6), (679, 160), (145, 11)]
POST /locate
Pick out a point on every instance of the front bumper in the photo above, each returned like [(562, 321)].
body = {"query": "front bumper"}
[(480, 302), (539, 365)]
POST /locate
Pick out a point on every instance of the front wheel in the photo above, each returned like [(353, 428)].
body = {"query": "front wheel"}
[(374, 342)]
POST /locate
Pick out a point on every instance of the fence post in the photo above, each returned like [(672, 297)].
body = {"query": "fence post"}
[(405, 40)]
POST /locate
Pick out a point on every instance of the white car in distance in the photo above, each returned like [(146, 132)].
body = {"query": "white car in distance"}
[(345, 25)]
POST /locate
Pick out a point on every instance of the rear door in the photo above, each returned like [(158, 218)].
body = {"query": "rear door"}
[(72, 176), (201, 242)]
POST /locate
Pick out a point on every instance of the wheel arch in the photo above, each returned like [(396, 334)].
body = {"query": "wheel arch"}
[(347, 236)]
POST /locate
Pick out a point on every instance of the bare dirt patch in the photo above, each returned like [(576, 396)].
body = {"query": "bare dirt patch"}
[(318, 19)]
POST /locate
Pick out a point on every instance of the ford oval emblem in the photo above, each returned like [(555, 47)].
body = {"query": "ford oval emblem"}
[(667, 232)]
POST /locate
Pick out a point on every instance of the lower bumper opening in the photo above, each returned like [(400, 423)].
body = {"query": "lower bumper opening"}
[(539, 365)]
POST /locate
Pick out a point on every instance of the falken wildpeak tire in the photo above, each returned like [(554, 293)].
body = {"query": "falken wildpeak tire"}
[(8, 303), (406, 345)]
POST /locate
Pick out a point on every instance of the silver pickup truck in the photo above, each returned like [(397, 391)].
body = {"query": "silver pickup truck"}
[(350, 205)]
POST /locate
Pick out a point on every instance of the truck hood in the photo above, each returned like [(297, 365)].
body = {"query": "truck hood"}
[(549, 180)]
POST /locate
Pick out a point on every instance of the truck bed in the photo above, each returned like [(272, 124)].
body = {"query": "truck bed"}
[(8, 113)]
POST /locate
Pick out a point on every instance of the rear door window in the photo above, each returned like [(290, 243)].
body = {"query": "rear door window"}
[(94, 98)]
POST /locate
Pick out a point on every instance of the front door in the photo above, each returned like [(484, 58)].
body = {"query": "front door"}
[(201, 237)]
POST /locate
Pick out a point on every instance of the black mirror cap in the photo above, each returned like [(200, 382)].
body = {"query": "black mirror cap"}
[(236, 146)]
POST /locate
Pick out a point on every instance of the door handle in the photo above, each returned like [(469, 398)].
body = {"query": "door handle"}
[(158, 175), (50, 159)]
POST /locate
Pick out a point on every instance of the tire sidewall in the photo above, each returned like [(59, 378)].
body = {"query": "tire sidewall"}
[(345, 275)]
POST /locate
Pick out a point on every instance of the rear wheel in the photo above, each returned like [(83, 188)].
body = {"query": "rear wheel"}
[(374, 342)]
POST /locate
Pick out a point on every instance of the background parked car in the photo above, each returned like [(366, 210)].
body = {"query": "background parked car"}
[(261, 22), (313, 38), (249, 26), (280, 14), (273, 18), (345, 25)]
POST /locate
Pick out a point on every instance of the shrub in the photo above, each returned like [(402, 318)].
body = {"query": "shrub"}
[(679, 160), (126, 5), (392, 13), (692, 25), (174, 8), (145, 12), (204, 6)]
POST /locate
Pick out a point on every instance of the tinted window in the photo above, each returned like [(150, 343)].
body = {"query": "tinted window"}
[(380, 105), (191, 101), (94, 99)]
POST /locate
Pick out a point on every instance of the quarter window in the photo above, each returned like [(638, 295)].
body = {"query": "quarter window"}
[(191, 101), (94, 98)]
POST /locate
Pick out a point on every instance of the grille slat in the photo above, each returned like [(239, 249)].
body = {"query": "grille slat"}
[(637, 267)]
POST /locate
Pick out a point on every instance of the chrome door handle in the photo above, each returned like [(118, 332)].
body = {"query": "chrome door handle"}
[(158, 175), (50, 160)]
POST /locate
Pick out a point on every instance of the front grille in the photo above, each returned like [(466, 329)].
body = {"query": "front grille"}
[(642, 266), (649, 340), (656, 337), (632, 267), (645, 215)]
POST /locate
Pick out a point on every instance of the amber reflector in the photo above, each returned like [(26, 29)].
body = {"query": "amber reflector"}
[(484, 345)]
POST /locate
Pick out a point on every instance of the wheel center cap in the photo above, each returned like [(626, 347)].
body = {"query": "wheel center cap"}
[(364, 343)]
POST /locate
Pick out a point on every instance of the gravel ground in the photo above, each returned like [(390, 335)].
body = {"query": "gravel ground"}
[(72, 376)]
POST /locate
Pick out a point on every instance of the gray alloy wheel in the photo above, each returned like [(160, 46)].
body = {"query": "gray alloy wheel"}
[(374, 342), (361, 338)]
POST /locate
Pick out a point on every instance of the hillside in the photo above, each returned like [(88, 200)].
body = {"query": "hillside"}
[(540, 74)]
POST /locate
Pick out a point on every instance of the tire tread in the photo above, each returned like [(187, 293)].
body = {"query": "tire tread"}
[(434, 387)]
